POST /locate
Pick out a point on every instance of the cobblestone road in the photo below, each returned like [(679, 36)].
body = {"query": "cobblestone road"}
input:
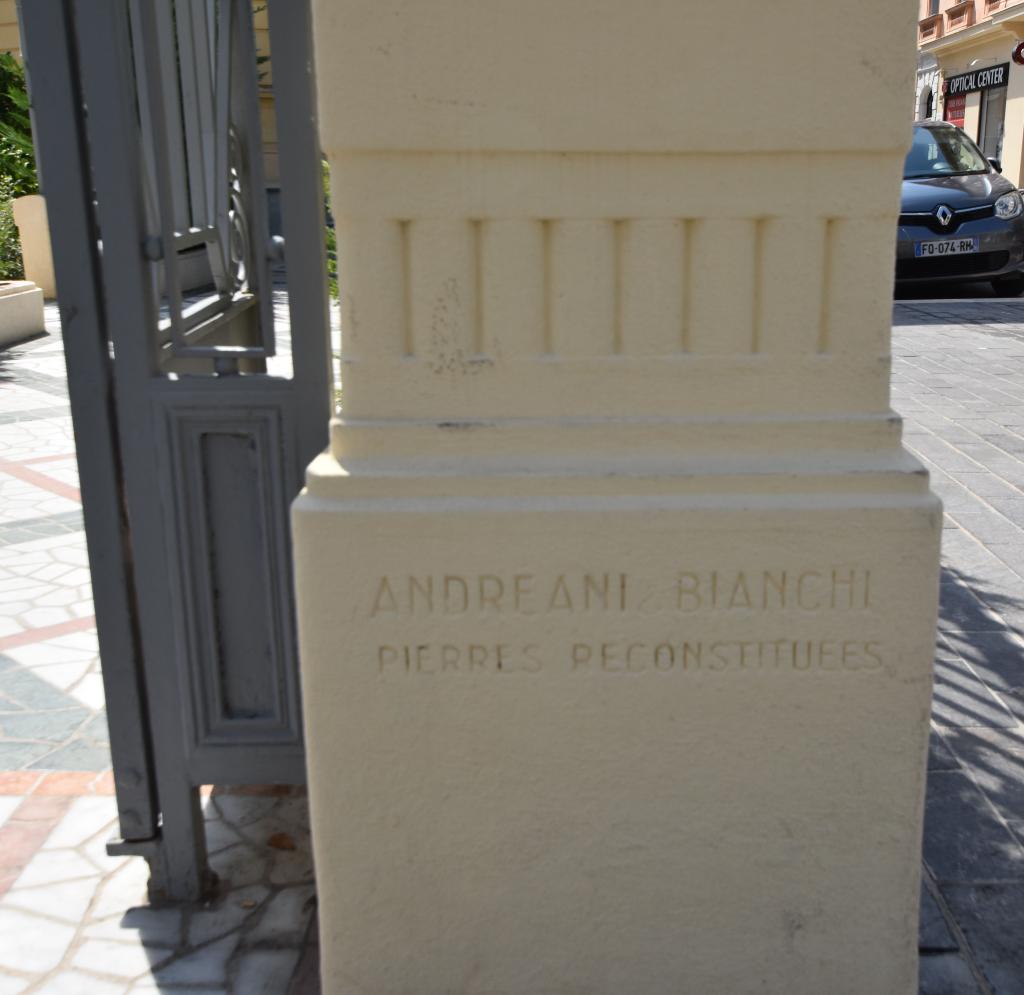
[(958, 379)]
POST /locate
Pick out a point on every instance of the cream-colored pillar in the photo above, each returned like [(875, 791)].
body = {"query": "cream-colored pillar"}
[(34, 236), (616, 588)]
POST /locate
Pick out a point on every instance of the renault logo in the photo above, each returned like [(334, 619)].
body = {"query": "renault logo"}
[(944, 214)]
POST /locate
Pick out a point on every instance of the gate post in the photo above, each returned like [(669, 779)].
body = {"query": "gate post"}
[(617, 590), (177, 856), (64, 162)]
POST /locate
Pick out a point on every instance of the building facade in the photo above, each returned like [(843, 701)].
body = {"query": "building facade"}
[(977, 47), (927, 104)]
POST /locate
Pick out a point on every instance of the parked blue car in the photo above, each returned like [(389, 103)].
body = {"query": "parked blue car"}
[(959, 218)]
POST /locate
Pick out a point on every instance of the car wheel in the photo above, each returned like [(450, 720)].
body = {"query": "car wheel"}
[(1009, 286)]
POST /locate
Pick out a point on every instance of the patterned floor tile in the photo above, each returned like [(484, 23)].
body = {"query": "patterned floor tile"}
[(67, 901), (11, 985), (207, 966), (38, 437), (79, 983), (45, 570), (25, 501), (30, 943), (265, 972), (86, 817), (122, 961)]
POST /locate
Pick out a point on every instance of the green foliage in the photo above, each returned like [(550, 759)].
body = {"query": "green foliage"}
[(10, 251), (17, 161), (330, 236), (17, 157)]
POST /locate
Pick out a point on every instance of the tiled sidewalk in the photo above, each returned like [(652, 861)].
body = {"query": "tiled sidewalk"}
[(73, 920), (51, 695)]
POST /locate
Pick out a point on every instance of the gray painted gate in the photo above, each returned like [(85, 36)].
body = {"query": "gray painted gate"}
[(148, 137)]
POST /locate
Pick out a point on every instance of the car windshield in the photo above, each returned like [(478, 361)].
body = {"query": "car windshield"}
[(942, 152)]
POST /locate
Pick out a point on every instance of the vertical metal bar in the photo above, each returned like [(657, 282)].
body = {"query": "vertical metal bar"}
[(164, 65), (142, 69), (168, 69), (106, 61), (245, 95), (222, 134), (201, 58), (153, 121), (212, 19), (190, 108), (63, 159), (302, 203)]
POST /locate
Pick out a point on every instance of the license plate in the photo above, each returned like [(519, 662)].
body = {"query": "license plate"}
[(947, 247)]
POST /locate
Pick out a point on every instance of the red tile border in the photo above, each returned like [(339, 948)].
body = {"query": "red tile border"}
[(104, 784), (56, 784), (46, 459), (24, 833), (66, 783), (47, 483), (39, 808), (44, 632), (19, 782)]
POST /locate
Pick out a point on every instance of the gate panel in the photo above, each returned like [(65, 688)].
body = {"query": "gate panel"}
[(206, 449), (232, 479)]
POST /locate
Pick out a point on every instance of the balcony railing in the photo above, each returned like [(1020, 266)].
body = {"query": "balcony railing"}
[(960, 15), (929, 28)]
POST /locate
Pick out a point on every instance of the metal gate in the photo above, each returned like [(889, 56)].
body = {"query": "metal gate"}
[(193, 419)]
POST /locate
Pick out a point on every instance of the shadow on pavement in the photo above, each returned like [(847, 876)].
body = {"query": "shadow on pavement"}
[(972, 914)]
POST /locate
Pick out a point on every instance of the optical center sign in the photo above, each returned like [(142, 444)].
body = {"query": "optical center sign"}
[(980, 79)]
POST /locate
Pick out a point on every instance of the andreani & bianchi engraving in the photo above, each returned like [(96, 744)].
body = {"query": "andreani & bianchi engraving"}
[(805, 589), (687, 595)]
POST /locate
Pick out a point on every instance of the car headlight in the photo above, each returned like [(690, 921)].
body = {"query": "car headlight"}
[(1009, 206)]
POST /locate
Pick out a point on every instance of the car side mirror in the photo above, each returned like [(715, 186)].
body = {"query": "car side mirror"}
[(996, 165)]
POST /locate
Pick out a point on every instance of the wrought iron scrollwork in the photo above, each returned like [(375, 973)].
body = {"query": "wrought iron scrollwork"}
[(238, 247)]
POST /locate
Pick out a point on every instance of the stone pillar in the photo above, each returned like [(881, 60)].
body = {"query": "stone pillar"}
[(34, 235), (616, 588)]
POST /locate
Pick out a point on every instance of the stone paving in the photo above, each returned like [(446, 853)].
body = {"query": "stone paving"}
[(958, 379), (51, 693), (73, 921)]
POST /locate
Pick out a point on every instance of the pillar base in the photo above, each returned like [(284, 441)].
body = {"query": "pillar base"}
[(606, 735)]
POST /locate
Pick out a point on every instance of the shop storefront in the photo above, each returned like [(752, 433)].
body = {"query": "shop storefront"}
[(954, 110), (981, 86), (989, 84)]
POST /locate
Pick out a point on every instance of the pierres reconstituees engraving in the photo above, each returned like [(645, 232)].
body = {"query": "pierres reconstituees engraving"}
[(687, 596)]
